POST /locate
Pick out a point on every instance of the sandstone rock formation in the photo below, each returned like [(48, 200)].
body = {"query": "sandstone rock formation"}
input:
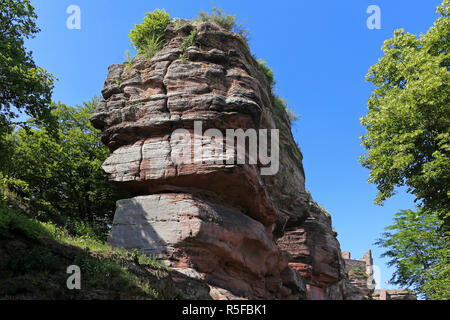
[(315, 254), (213, 221)]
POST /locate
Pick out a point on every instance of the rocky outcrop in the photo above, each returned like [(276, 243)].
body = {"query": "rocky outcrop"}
[(230, 249), (314, 252), (213, 219)]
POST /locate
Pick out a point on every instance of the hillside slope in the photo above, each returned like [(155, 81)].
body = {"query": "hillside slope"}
[(34, 258)]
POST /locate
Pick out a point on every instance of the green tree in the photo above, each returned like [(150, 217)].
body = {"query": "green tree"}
[(408, 123), (64, 177), (419, 250), (24, 87)]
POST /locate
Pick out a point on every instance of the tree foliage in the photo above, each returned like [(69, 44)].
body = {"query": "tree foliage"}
[(24, 87), (419, 250), (408, 123), (63, 175)]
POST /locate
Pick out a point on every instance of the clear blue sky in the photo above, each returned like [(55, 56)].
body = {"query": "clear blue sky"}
[(320, 52)]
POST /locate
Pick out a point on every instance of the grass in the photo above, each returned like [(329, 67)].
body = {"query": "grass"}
[(129, 61), (152, 46), (224, 20), (279, 103), (12, 223), (38, 255), (189, 41)]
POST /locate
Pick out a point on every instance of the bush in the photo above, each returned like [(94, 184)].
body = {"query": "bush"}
[(280, 103), (226, 21), (93, 230), (8, 184), (292, 115), (148, 37), (129, 61), (267, 71), (152, 46), (189, 41)]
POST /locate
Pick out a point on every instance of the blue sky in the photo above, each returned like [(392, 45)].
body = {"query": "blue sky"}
[(320, 52)]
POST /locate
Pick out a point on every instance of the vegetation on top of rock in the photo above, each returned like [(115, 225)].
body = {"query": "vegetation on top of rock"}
[(189, 41), (267, 71), (224, 20), (280, 103), (148, 37), (129, 60)]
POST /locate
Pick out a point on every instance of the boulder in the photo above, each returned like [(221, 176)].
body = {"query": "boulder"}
[(218, 218)]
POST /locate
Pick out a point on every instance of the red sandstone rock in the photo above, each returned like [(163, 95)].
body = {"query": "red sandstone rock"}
[(315, 253), (220, 220)]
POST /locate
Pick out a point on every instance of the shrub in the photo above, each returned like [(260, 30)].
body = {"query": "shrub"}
[(92, 230), (129, 61), (152, 46), (226, 21), (280, 103), (189, 41), (267, 71), (148, 37), (292, 115), (183, 57)]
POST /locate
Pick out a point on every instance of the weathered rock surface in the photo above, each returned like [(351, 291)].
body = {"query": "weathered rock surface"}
[(315, 254), (217, 220), (227, 248)]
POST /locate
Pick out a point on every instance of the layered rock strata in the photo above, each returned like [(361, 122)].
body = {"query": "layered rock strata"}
[(314, 252), (212, 219)]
